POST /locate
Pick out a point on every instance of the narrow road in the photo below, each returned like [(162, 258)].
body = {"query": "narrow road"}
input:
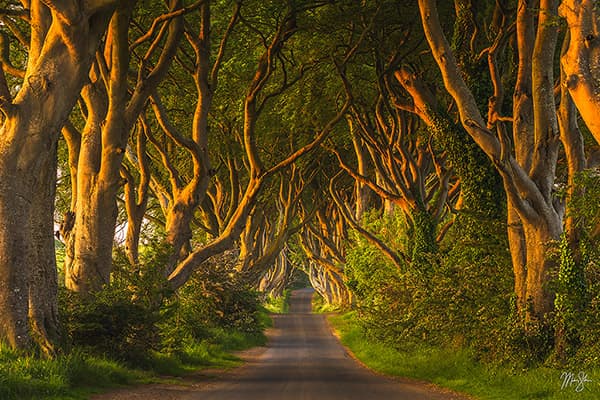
[(305, 362)]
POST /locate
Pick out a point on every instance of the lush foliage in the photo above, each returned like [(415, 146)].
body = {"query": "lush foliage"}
[(137, 316), (460, 301), (278, 305), (460, 370), (467, 302), (578, 277)]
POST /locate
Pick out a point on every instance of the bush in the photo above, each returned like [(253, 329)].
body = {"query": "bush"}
[(464, 300), (137, 316), (111, 322), (215, 298)]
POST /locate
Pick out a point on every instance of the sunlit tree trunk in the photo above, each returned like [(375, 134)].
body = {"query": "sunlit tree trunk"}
[(102, 150), (581, 61), (112, 111), (529, 189), (361, 190), (64, 39)]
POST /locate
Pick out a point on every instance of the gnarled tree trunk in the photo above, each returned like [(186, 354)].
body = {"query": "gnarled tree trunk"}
[(112, 112), (528, 186), (64, 39)]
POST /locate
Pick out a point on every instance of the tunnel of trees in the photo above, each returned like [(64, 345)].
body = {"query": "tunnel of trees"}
[(433, 165)]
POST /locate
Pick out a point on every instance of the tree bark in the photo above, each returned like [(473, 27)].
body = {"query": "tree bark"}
[(43, 286), (63, 42), (580, 61), (529, 189), (112, 113)]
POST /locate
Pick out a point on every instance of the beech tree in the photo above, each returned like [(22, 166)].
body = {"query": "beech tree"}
[(528, 174), (264, 238), (263, 87), (581, 58), (63, 40), (112, 108)]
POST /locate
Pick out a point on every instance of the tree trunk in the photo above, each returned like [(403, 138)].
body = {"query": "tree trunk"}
[(518, 254), (179, 219), (362, 193), (63, 43), (580, 61), (100, 164), (43, 289), (529, 189), (15, 242), (89, 256), (539, 296)]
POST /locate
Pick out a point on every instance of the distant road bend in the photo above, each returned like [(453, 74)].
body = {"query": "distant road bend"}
[(305, 362)]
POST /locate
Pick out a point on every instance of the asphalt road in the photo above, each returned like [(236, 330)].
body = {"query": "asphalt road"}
[(305, 361)]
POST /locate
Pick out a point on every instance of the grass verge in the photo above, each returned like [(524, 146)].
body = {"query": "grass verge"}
[(77, 375), (278, 305), (320, 306), (457, 369)]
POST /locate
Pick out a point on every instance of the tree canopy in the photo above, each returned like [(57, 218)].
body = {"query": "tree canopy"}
[(429, 163)]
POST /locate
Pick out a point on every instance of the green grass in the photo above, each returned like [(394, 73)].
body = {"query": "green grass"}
[(64, 377), (278, 305), (77, 375), (457, 369), (320, 306)]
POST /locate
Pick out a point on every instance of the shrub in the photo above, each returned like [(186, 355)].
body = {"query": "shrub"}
[(465, 300)]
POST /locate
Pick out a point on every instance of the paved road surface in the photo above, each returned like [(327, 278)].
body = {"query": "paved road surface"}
[(305, 362)]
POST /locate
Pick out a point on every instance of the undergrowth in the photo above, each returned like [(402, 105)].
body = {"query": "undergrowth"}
[(459, 369), (137, 329), (78, 374), (278, 305)]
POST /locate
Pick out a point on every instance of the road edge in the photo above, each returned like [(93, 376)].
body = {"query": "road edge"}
[(400, 379)]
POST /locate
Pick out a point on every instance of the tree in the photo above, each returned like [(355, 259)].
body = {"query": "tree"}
[(182, 198), (111, 112), (264, 86), (63, 41), (581, 58), (528, 175)]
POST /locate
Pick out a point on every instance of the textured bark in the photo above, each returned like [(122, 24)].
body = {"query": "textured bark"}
[(63, 42), (43, 286)]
